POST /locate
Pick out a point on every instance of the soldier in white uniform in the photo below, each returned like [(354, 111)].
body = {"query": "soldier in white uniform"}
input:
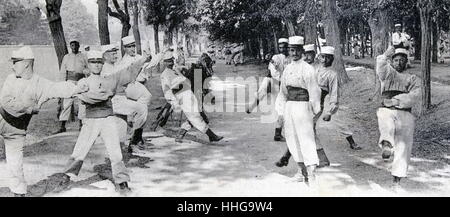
[(300, 95), (272, 80), (22, 95), (400, 91), (177, 91), (100, 119), (136, 98), (327, 79), (73, 68)]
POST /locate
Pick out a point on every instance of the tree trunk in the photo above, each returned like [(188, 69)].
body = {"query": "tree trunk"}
[(168, 38), (156, 38), (290, 28), (56, 28), (435, 42), (310, 22), (103, 29), (275, 40), (425, 7), (379, 23), (136, 32), (333, 38)]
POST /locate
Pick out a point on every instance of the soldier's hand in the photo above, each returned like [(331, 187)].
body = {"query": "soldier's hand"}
[(327, 117), (81, 88), (390, 51)]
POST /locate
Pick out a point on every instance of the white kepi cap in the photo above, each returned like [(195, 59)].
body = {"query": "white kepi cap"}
[(168, 56), (95, 54), (283, 40), (398, 25), (327, 50), (401, 51), (109, 48), (309, 48), (128, 40), (23, 53), (296, 41)]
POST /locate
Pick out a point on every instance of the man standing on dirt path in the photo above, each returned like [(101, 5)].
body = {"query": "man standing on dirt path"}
[(400, 91), (73, 68), (300, 97), (21, 97), (134, 100), (178, 93), (100, 120), (327, 79), (272, 81)]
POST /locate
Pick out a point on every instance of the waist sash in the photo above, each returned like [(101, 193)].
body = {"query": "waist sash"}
[(391, 94), (17, 122), (297, 94)]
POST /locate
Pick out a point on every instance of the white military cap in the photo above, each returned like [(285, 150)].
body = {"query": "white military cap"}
[(296, 41), (95, 54), (109, 48), (23, 53), (327, 50), (401, 51), (128, 40), (309, 47), (168, 56), (86, 46), (398, 25), (283, 40), (74, 40)]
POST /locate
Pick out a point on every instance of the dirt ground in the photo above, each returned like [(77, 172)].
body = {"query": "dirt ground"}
[(243, 163)]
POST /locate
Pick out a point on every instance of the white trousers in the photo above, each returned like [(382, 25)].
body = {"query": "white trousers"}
[(190, 107), (397, 127), (299, 132), (14, 141), (67, 109), (341, 126), (107, 129)]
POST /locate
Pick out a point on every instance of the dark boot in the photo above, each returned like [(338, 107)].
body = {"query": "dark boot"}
[(123, 188), (278, 137), (397, 179), (323, 159), (212, 136), (352, 143), (205, 118), (180, 135), (386, 150), (81, 125), (252, 106), (284, 161), (137, 139), (62, 128)]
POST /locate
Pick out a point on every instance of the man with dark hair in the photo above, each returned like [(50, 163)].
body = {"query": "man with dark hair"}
[(73, 68), (400, 91)]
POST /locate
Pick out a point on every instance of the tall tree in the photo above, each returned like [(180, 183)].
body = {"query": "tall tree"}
[(124, 17), (134, 4), (426, 8), (103, 28), (54, 21), (333, 37)]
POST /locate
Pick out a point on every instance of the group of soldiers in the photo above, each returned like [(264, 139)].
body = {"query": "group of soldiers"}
[(112, 98), (302, 77)]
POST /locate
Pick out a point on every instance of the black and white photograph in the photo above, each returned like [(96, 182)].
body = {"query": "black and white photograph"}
[(225, 98)]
